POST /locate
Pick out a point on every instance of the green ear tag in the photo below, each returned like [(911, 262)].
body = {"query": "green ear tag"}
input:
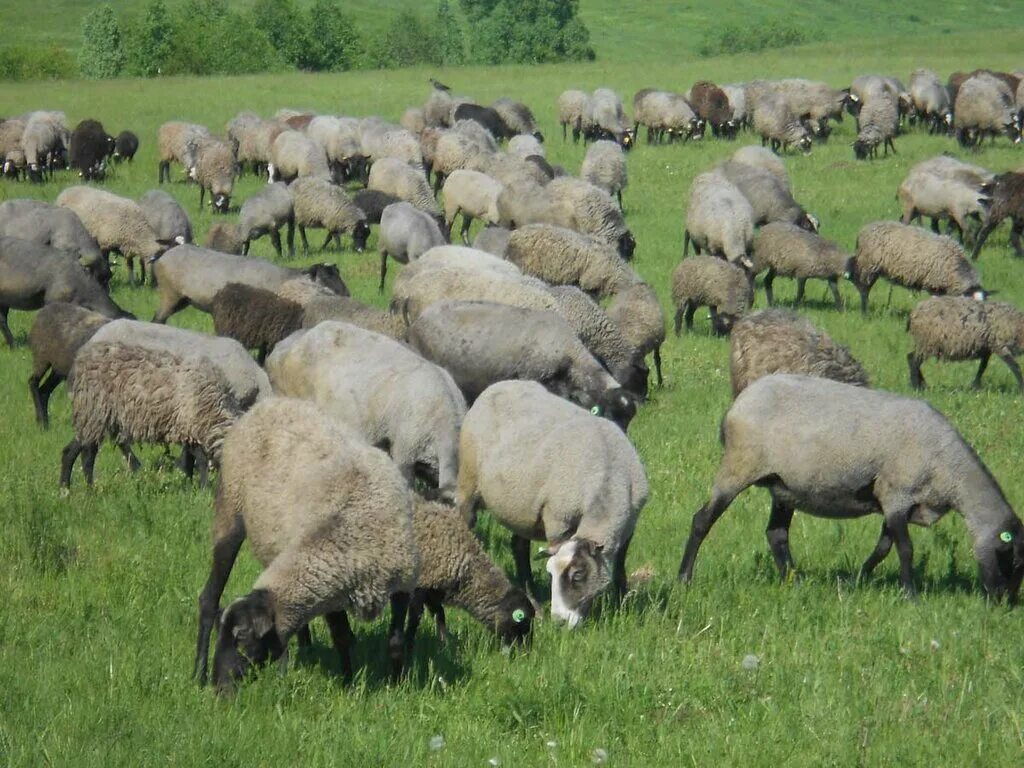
[(1006, 536), (596, 410), (518, 615)]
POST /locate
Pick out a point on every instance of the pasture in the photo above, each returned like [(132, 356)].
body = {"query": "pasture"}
[(99, 586)]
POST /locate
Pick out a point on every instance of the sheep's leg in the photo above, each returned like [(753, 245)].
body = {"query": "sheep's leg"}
[(702, 522), (275, 239), (983, 234), (396, 633), (129, 263), (888, 299), (833, 285), (41, 393), (916, 377), (691, 309), (341, 635), (291, 237), (618, 195), (904, 548), (305, 242), (134, 465), (67, 461), (801, 283), (657, 364), (686, 243), (864, 289), (1015, 232), (769, 279), (524, 571), (225, 550), (619, 575), (187, 462), (466, 222), (416, 605), (89, 461), (982, 365), (434, 600), (466, 495), (337, 240), (304, 638), (880, 552), (203, 462), (1011, 363), (161, 169), (778, 536), (168, 306), (565, 131), (142, 272), (383, 270), (327, 240), (5, 329)]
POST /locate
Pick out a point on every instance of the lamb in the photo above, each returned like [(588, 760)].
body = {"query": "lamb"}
[(578, 484), (406, 233), (525, 146), (493, 240), (712, 105), (778, 127), (333, 538), (985, 106), (254, 317), (958, 328), (88, 149), (706, 281), (836, 451), (637, 312), (563, 257), (665, 113), (787, 250), (1007, 190), (349, 310), (913, 258), (591, 210), (57, 333), (456, 570), (138, 394), (766, 160), (781, 341), (56, 227), (215, 173), (932, 189), (719, 219), (191, 276), (179, 142), (518, 118), (472, 194), (166, 218), (388, 394), (117, 223), (265, 213), (34, 275), (318, 203), (402, 181), (604, 118), (570, 113), (126, 144), (605, 167), (879, 122), (770, 199), (294, 155), (481, 343), (931, 101)]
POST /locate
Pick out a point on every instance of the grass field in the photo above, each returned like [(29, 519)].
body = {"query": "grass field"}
[(98, 617)]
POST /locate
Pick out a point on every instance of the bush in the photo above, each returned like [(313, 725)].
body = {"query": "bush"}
[(450, 41), (409, 40), (33, 63), (102, 53), (333, 41), (736, 38), (149, 44), (209, 39), (528, 31)]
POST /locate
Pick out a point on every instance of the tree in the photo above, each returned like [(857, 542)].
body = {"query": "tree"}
[(150, 45), (283, 25), (530, 31), (407, 41), (209, 39), (102, 53), (451, 45), (334, 43)]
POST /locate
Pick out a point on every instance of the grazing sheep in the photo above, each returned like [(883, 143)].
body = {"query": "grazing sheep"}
[(913, 258), (591, 211), (700, 281), (340, 141), (179, 142), (525, 146), (481, 343), (563, 257), (330, 520), (89, 148), (56, 227), (958, 328), (404, 182), (406, 233), (777, 126), (372, 203), (604, 118), (931, 101), (737, 98), (224, 236), (518, 118), (215, 173), (570, 113), (348, 310), (117, 223), (1007, 191), (57, 333), (781, 341), (44, 139), (318, 203), (719, 219), (605, 167), (765, 159), (294, 155), (266, 212), (549, 470), (413, 120), (456, 150), (789, 251), (486, 117), (11, 152), (126, 144), (712, 105), (814, 102), (985, 106), (931, 189), (493, 240), (879, 122), (637, 312), (837, 451), (458, 257), (665, 114), (254, 317), (472, 194), (136, 394), (34, 275), (770, 199), (166, 218)]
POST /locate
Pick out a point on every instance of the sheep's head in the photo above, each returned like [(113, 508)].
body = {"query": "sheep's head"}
[(538, 136), (221, 203), (580, 571), (514, 619), (853, 103), (360, 234), (808, 222), (328, 276), (1001, 561), (618, 405), (805, 143), (862, 149), (627, 140), (627, 245), (247, 638)]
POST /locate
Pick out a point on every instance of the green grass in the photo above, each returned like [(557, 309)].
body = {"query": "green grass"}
[(99, 588)]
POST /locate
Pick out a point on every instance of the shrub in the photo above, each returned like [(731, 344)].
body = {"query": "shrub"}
[(209, 39), (528, 31), (35, 63), (333, 42), (102, 53), (736, 38), (408, 40), (149, 44), (451, 43)]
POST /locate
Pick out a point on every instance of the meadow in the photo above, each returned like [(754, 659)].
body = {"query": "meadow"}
[(98, 615)]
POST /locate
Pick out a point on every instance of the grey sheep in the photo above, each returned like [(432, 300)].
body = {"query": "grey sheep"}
[(931, 101), (413, 120), (214, 172), (524, 145), (57, 333), (224, 236), (493, 240), (178, 142), (318, 203), (665, 114), (404, 182), (349, 310), (406, 233), (240, 131), (770, 199), (637, 312), (34, 275), (254, 317), (789, 251), (932, 189), (604, 166), (778, 126), (837, 451), (590, 210), (878, 121), (765, 159), (334, 536), (166, 218), (117, 223), (373, 203), (57, 227), (1007, 191), (387, 393), (136, 394), (913, 258), (577, 484), (44, 138), (456, 150), (719, 219), (11, 153), (340, 141), (813, 101), (481, 343), (398, 144), (296, 156), (472, 194), (737, 97), (438, 109), (604, 118), (266, 212), (570, 113), (781, 341), (959, 328), (704, 281), (985, 106), (518, 118), (563, 257)]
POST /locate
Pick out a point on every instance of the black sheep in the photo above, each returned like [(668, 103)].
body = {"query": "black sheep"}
[(485, 116), (90, 147), (125, 146)]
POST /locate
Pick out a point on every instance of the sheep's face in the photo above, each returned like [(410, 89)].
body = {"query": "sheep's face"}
[(721, 324), (360, 235), (853, 104), (539, 136), (805, 144), (627, 245), (221, 203), (618, 405), (808, 222), (627, 140), (861, 149), (1001, 562), (247, 638), (329, 277), (579, 572), (515, 617)]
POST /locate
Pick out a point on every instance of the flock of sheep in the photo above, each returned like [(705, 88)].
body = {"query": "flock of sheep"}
[(356, 448)]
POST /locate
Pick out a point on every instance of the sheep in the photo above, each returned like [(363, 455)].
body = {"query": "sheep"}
[(137, 394), (719, 219), (524, 146), (126, 144), (191, 276), (604, 118), (255, 139), (57, 227), (787, 250), (879, 122), (438, 109), (454, 151), (254, 317), (781, 341), (931, 101), (712, 105), (493, 240), (931, 189), (413, 120), (178, 142), (777, 126), (509, 169), (457, 257), (766, 160), (958, 328), (398, 144), (57, 333), (984, 106), (518, 118), (737, 98), (913, 258), (835, 450), (637, 312), (813, 102), (340, 143), (214, 172), (591, 211), (295, 156), (481, 343), (387, 393), (472, 194), (166, 218), (333, 538), (318, 203), (706, 281), (1007, 191), (456, 570), (398, 179), (117, 223), (570, 113), (406, 233), (665, 113), (224, 237), (34, 275), (88, 149), (372, 203), (264, 213), (14, 163), (43, 139), (563, 257), (349, 310), (770, 199), (578, 485), (241, 130), (604, 166), (487, 117), (11, 153)]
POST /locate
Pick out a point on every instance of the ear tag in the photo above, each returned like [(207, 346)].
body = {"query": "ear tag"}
[(1006, 536), (518, 615), (596, 410)]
